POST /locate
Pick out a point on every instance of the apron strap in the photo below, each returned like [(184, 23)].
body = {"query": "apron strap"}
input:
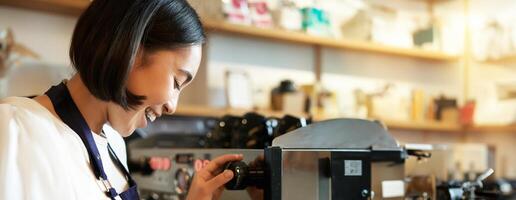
[(67, 110), (71, 116), (121, 166)]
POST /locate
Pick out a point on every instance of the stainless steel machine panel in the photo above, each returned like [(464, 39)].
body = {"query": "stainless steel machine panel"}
[(335, 159), (173, 183), (304, 176)]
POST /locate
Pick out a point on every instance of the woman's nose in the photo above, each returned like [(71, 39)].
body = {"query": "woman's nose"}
[(169, 108)]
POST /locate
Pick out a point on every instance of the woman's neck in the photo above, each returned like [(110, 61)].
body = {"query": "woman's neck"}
[(92, 109)]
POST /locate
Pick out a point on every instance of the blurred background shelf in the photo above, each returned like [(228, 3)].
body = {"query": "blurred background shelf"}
[(502, 60), (219, 112), (428, 126), (492, 128), (75, 7), (303, 38), (394, 125)]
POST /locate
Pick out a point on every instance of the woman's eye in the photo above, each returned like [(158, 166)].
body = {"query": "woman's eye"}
[(176, 84)]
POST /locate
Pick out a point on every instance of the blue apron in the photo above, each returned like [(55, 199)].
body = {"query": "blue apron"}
[(71, 116)]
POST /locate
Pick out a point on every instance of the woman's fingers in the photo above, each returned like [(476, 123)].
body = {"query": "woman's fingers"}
[(216, 164), (208, 182), (219, 180)]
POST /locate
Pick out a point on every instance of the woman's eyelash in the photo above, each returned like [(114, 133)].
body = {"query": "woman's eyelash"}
[(176, 84)]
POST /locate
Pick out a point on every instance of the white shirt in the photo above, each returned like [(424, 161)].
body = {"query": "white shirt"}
[(42, 158)]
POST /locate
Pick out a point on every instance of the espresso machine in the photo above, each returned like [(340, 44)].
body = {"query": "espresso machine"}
[(165, 155), (335, 159)]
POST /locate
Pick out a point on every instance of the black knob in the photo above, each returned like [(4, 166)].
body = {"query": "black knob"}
[(220, 136), (289, 123), (253, 132), (244, 176)]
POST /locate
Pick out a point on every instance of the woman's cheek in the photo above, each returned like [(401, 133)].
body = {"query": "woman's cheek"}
[(163, 95)]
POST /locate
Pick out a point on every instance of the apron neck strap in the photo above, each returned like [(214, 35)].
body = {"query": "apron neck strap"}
[(67, 110), (71, 116)]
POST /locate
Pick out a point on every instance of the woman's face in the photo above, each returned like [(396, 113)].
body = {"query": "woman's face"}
[(160, 76)]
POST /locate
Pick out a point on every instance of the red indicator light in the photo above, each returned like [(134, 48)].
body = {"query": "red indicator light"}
[(166, 164), (155, 163), (198, 165), (160, 163)]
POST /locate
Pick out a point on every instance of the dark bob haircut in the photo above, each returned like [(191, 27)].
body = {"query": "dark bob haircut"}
[(109, 34)]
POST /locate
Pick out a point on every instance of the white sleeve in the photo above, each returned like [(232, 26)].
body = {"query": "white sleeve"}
[(28, 166), (10, 176)]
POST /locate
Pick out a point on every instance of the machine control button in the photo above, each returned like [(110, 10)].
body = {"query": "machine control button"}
[(183, 178), (184, 158), (160, 163)]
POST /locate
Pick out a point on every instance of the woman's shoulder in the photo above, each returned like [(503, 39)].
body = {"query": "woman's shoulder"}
[(24, 113), (28, 140), (20, 106), (12, 108)]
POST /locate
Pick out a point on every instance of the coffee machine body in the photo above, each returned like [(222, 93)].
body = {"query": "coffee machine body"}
[(328, 174), (320, 162), (329, 160)]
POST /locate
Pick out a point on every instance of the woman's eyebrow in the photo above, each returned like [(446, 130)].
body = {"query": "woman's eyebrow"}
[(189, 76)]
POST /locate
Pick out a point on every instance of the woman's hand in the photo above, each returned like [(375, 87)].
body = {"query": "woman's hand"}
[(208, 183)]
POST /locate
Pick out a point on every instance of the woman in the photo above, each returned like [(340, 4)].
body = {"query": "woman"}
[(132, 60)]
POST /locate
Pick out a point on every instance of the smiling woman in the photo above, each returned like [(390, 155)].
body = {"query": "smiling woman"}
[(109, 35), (132, 59), (159, 76)]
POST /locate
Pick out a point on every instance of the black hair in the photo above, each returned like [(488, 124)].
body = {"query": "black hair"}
[(109, 34)]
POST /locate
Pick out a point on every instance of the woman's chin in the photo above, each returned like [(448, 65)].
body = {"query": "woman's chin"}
[(125, 131)]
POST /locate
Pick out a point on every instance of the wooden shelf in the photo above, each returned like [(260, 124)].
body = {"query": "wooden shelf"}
[(303, 38), (492, 128), (75, 7), (503, 60), (393, 125), (187, 110)]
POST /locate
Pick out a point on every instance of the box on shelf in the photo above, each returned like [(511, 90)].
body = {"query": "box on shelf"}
[(260, 14)]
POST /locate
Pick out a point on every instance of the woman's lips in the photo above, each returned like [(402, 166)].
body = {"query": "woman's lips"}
[(150, 115)]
